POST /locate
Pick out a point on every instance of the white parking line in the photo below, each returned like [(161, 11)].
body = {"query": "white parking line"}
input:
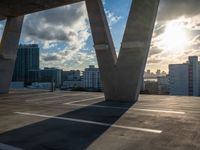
[(44, 93), (8, 147), (46, 98), (93, 122), (126, 108), (88, 99), (24, 96), (52, 97)]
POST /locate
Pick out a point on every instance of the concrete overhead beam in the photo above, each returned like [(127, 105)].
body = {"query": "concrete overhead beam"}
[(14, 8)]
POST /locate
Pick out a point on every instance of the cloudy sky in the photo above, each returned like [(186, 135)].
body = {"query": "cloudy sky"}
[(64, 35)]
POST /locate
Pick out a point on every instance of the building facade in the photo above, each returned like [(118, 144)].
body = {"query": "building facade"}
[(34, 76), (91, 78), (72, 75), (184, 79), (27, 59), (51, 75), (163, 85), (193, 75), (72, 84)]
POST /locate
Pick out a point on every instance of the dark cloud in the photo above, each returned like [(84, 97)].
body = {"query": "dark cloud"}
[(198, 25), (54, 24), (50, 58), (45, 33), (195, 43), (67, 15), (196, 39), (154, 50), (153, 61), (159, 28), (171, 9)]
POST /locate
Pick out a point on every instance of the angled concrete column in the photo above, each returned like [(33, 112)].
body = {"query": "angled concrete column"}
[(122, 78), (8, 51), (103, 44)]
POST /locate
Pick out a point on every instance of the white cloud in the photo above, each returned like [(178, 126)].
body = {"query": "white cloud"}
[(65, 60), (66, 26), (160, 57), (112, 18)]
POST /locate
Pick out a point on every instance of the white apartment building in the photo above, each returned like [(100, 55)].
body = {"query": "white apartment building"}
[(184, 79), (91, 78)]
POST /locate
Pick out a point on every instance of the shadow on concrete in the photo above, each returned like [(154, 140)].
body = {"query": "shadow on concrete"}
[(55, 134)]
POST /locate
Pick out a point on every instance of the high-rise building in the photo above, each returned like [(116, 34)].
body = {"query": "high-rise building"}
[(91, 78), (27, 59), (193, 74), (184, 79)]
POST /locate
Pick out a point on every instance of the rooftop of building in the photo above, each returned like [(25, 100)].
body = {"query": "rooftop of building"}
[(28, 46), (38, 120)]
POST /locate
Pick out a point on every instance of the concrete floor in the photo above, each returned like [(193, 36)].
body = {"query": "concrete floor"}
[(39, 120)]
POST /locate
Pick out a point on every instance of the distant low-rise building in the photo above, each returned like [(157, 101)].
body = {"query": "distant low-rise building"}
[(51, 75), (42, 85), (72, 75), (156, 86), (72, 84), (151, 87), (91, 78), (163, 85), (17, 85)]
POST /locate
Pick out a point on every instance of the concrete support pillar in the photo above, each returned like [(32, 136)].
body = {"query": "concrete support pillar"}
[(122, 77), (103, 44), (8, 51)]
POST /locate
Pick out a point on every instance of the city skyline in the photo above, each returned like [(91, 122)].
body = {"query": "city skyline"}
[(182, 79), (69, 44)]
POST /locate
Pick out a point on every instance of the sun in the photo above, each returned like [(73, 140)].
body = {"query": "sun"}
[(175, 38)]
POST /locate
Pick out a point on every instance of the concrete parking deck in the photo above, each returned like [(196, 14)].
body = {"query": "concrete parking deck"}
[(40, 120)]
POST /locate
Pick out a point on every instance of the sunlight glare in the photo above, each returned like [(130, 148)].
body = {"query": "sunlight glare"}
[(175, 37)]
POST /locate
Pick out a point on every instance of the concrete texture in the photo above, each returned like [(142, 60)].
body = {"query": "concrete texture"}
[(103, 44), (14, 8), (39, 120), (122, 77), (8, 51)]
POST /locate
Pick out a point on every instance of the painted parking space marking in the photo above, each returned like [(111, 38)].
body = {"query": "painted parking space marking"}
[(92, 122), (83, 100), (126, 108), (61, 96), (44, 93)]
